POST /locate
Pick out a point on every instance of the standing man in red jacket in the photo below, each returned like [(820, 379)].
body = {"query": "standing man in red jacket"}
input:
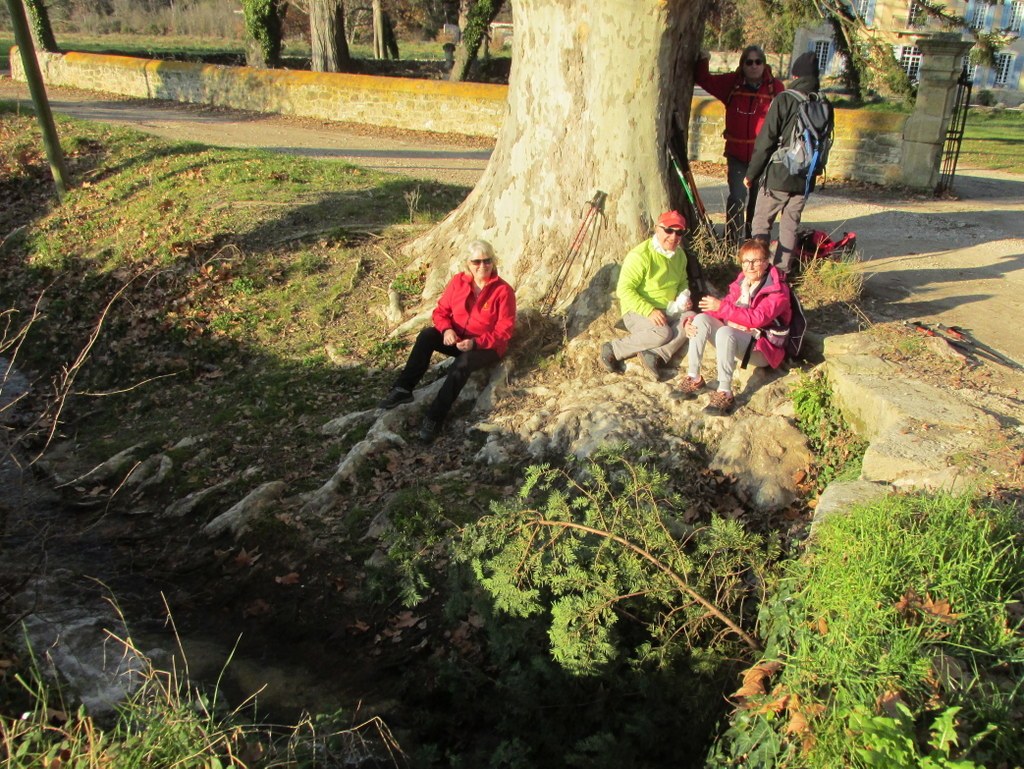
[(747, 94)]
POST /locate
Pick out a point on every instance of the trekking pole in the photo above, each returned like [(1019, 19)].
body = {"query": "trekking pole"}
[(586, 234), (700, 214)]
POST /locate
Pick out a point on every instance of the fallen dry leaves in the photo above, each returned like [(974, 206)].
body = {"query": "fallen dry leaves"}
[(912, 607)]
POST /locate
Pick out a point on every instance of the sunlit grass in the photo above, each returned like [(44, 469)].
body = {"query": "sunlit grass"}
[(994, 140)]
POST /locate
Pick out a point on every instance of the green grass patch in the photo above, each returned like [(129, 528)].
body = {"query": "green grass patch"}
[(904, 619), (237, 269), (837, 448), (994, 140)]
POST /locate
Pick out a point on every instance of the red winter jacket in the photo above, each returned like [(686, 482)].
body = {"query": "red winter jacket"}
[(769, 303), (744, 108), (488, 320)]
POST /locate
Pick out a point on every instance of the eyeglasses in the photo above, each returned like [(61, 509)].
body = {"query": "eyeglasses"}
[(753, 62), (672, 230), (752, 262), (478, 262)]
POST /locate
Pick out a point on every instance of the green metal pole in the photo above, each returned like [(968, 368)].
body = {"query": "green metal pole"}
[(51, 142)]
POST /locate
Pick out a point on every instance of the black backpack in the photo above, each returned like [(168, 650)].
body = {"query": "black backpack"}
[(797, 326), (804, 154)]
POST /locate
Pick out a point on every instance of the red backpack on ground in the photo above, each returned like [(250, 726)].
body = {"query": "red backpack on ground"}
[(817, 244)]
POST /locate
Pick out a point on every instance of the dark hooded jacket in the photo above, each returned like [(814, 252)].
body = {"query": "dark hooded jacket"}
[(776, 129), (745, 106)]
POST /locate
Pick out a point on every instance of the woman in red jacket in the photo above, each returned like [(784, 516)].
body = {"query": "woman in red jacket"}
[(473, 322), (747, 93), (750, 324)]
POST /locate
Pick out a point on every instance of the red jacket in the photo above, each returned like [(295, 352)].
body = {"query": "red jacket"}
[(744, 108), (769, 303), (488, 320)]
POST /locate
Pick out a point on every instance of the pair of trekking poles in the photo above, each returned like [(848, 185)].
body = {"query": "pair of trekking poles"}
[(585, 240)]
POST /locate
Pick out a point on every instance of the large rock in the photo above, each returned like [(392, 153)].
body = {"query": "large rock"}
[(768, 457), (921, 437)]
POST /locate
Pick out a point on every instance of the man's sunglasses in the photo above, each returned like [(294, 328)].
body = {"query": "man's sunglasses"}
[(754, 62), (479, 261), (673, 230)]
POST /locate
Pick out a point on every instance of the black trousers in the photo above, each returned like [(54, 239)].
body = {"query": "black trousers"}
[(429, 341)]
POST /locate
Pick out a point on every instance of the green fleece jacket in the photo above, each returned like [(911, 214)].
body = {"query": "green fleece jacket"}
[(649, 280)]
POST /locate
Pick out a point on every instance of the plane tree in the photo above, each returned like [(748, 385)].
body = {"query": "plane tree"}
[(592, 99)]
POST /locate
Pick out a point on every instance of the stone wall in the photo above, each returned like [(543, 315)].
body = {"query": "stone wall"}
[(475, 109), (867, 146)]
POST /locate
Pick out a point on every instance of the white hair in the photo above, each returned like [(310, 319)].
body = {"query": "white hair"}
[(481, 247)]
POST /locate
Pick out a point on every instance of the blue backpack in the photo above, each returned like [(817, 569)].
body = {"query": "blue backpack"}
[(804, 154)]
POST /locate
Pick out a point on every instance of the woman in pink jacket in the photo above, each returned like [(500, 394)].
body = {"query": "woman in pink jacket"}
[(747, 93), (473, 322), (750, 324)]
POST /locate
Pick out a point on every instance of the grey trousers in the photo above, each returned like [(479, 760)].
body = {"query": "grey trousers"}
[(730, 345), (770, 204), (663, 341), (739, 206)]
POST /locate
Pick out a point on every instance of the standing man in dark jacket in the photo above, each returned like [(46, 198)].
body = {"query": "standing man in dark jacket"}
[(747, 93), (781, 193)]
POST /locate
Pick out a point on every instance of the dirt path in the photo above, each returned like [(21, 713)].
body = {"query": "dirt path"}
[(956, 261)]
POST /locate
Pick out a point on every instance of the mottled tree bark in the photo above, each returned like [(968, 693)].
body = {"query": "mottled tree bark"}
[(591, 100)]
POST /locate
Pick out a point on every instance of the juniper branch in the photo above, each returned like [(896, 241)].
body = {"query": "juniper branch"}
[(676, 578)]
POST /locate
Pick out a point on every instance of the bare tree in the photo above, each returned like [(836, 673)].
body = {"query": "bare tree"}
[(592, 100)]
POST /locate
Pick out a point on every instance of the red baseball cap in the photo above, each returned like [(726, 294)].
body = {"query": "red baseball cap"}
[(672, 219)]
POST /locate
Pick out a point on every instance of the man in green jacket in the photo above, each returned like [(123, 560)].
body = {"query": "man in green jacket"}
[(651, 296)]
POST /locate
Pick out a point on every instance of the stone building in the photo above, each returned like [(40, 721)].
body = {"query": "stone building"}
[(903, 23)]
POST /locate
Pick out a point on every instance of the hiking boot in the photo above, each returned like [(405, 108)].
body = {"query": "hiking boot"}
[(608, 360), (651, 364), (720, 403), (429, 430), (394, 398), (689, 388)]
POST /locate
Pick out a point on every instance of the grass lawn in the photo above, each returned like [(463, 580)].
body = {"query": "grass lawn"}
[(994, 140)]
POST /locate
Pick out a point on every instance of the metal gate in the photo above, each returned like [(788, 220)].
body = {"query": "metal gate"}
[(954, 134)]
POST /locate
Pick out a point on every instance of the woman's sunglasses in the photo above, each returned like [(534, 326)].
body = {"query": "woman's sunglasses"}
[(479, 261)]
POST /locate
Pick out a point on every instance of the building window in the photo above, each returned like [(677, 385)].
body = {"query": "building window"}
[(972, 69), (978, 15), (915, 15), (909, 57), (866, 10), (823, 53), (1016, 22), (1001, 67)]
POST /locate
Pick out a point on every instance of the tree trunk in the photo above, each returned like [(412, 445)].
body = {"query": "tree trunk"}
[(474, 20), (42, 30), (327, 36), (378, 30), (591, 100), (264, 26)]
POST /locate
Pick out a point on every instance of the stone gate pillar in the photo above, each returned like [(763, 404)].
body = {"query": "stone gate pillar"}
[(925, 130)]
